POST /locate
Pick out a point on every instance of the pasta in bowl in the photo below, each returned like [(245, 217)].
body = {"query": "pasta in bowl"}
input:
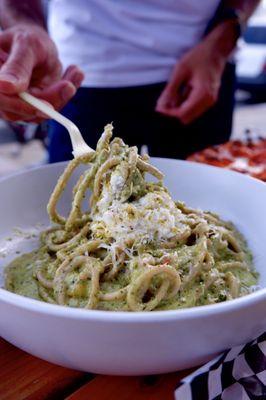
[(128, 342), (135, 249)]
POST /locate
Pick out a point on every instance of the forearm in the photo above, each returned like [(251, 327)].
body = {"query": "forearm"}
[(16, 12), (223, 37)]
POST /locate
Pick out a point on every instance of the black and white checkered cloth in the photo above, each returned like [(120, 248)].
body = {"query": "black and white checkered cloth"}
[(238, 374)]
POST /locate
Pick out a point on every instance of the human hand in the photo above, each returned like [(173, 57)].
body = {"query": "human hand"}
[(29, 61), (194, 85)]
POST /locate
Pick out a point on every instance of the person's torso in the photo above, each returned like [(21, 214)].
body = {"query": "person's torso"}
[(127, 42)]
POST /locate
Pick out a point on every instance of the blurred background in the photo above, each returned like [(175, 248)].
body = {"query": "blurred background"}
[(24, 145)]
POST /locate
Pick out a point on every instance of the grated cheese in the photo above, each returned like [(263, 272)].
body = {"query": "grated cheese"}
[(154, 217)]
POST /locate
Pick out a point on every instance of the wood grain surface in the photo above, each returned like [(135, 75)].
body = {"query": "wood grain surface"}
[(24, 377)]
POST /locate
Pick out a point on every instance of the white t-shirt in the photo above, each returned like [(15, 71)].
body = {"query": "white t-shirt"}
[(127, 42)]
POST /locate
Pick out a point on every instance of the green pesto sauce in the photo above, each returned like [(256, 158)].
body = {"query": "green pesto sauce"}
[(19, 275), (20, 278)]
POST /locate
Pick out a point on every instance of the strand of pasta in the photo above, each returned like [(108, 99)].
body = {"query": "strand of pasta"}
[(196, 269), (68, 265), (144, 166), (68, 244), (95, 286), (108, 164), (131, 169), (79, 195), (60, 187), (45, 295), (168, 289), (103, 142), (233, 284), (46, 283), (116, 267), (119, 294)]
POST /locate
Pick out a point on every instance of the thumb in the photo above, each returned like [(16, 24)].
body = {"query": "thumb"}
[(15, 73)]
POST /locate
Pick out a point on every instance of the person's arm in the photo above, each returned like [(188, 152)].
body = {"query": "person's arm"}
[(194, 85), (29, 61)]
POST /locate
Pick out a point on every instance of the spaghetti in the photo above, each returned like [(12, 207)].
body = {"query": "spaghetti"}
[(136, 249)]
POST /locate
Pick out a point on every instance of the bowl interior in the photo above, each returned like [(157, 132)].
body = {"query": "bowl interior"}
[(233, 196)]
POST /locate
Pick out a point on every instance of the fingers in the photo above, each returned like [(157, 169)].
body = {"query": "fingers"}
[(45, 75), (193, 87), (24, 66), (74, 75), (12, 117), (15, 73), (15, 109), (13, 105), (171, 95), (200, 98), (57, 94)]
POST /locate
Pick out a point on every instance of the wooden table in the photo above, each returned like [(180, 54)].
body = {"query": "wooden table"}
[(24, 377)]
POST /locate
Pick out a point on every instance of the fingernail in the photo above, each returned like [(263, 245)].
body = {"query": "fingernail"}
[(68, 91)]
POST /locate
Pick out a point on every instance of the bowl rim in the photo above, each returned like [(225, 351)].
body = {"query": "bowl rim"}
[(204, 311)]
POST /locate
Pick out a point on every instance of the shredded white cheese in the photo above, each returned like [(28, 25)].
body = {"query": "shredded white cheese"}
[(154, 217), (117, 182)]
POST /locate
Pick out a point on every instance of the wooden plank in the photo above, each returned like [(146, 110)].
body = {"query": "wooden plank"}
[(23, 376), (153, 387)]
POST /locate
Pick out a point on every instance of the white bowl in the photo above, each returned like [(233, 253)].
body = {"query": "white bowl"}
[(134, 343)]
